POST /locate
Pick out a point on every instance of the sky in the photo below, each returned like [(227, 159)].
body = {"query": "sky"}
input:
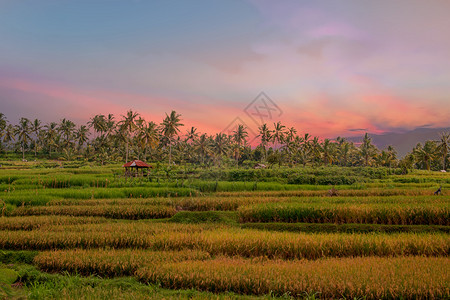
[(326, 67)]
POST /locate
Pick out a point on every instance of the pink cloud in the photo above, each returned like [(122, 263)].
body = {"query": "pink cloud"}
[(68, 102), (334, 30)]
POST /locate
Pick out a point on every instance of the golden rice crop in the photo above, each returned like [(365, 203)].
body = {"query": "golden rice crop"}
[(228, 241), (132, 212), (429, 214), (111, 262), (34, 222), (368, 278), (342, 192)]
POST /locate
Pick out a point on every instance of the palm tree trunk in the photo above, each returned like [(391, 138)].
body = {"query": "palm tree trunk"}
[(126, 153), (23, 152), (170, 153), (265, 152)]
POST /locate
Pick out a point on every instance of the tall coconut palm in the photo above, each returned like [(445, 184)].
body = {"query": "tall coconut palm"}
[(290, 134), (292, 148), (315, 149), (170, 129), (367, 149), (425, 154), (201, 146), (98, 122), (23, 133), (148, 136), (66, 128), (110, 125), (81, 135), (220, 146), (36, 128), (328, 151), (239, 136), (3, 123), (392, 155), (51, 134), (278, 134), (264, 134), (191, 134), (443, 147), (126, 127), (9, 134), (343, 150)]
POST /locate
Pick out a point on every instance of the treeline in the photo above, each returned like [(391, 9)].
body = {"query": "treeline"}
[(107, 139)]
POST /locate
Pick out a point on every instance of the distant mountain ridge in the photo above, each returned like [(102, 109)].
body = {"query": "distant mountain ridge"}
[(403, 142)]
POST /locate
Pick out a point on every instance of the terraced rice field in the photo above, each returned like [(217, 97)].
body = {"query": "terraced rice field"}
[(388, 239)]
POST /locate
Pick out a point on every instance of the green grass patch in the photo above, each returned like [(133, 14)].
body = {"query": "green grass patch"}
[(12, 257)]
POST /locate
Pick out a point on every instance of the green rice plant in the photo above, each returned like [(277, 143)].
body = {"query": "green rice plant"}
[(43, 196), (108, 211), (195, 217), (26, 197), (347, 213), (349, 278), (13, 257)]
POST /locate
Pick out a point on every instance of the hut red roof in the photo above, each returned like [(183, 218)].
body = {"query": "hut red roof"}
[(136, 164)]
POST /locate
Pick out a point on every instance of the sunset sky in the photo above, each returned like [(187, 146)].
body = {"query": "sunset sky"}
[(330, 67)]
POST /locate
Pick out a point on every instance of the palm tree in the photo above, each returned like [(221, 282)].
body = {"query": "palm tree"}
[(264, 133), (292, 148), (239, 136), (98, 122), (425, 154), (81, 135), (51, 136), (315, 149), (9, 134), (328, 151), (201, 146), (36, 128), (66, 128), (170, 128), (220, 145), (367, 149), (3, 123), (23, 133), (392, 155), (443, 147), (191, 134), (127, 125), (110, 125), (290, 134), (278, 133), (148, 136)]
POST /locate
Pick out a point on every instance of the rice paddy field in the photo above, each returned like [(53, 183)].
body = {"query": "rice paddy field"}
[(89, 233)]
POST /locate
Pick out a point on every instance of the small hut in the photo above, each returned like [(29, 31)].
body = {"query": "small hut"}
[(136, 168)]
